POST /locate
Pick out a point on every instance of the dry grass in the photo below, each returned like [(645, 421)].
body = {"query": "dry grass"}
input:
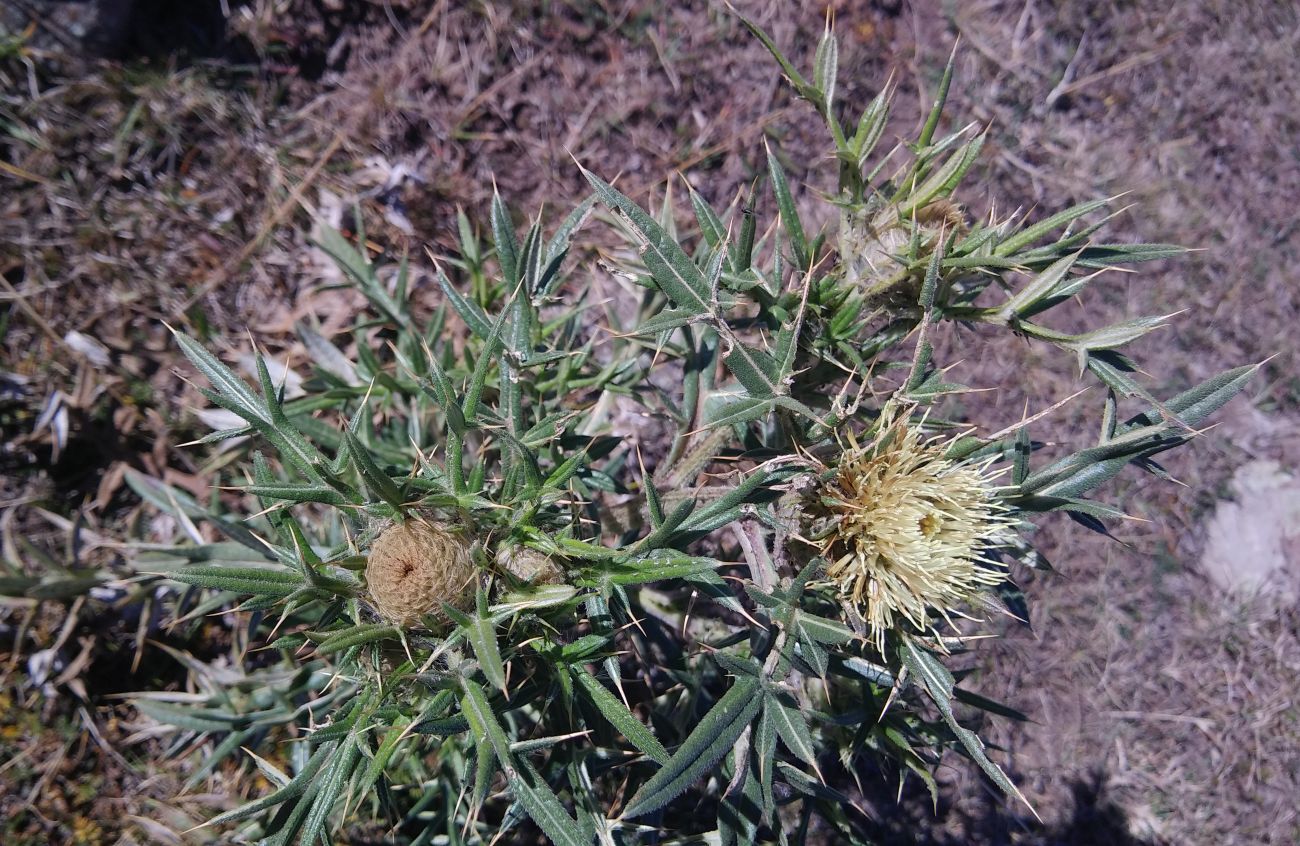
[(1163, 712), (1171, 705)]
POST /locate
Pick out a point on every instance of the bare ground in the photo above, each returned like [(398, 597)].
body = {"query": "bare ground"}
[(1163, 711)]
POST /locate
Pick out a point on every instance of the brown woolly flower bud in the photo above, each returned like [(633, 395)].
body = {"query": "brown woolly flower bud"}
[(529, 566), (414, 567)]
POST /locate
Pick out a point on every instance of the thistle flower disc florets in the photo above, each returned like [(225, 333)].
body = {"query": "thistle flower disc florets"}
[(908, 528)]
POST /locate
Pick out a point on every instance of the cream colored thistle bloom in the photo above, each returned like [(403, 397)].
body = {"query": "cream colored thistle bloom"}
[(909, 528)]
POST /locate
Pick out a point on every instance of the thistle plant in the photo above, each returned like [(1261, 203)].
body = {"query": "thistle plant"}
[(480, 609)]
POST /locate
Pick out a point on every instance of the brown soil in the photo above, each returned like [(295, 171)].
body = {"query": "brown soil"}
[(1163, 711)]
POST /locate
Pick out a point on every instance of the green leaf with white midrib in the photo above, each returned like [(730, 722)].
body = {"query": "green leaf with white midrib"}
[(673, 270), (765, 759), (478, 379), (740, 410), (825, 68), (527, 785), (789, 215), (620, 717), (712, 738), (292, 790), (1142, 436), (357, 636), (705, 518), (793, 728), (1039, 288), (1030, 234), (1109, 255), (665, 529), (653, 566), (479, 630), (467, 310), (711, 226), (942, 182), (263, 413), (291, 492), (755, 370), (939, 683), (379, 763), (246, 404), (295, 447), (377, 481), (248, 580), (796, 79), (503, 235), (338, 773), (559, 242)]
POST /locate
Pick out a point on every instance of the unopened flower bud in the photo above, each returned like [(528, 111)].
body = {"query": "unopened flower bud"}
[(413, 568)]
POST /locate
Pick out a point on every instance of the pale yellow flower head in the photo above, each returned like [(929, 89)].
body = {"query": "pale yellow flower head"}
[(909, 528)]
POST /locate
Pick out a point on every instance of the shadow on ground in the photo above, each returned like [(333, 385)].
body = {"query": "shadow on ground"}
[(1095, 818)]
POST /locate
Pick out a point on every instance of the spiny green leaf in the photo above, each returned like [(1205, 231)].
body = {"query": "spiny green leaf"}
[(1195, 404), (871, 126), (384, 754), (796, 79), (377, 481), (503, 234), (559, 242), (526, 783), (1030, 234), (469, 312), (940, 98), (711, 738), (481, 634), (357, 636), (942, 182), (671, 268), (1039, 288), (792, 728), (251, 580), (789, 214), (620, 717), (293, 492), (292, 790), (337, 775), (1108, 255), (938, 683), (822, 630), (826, 64), (655, 565)]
